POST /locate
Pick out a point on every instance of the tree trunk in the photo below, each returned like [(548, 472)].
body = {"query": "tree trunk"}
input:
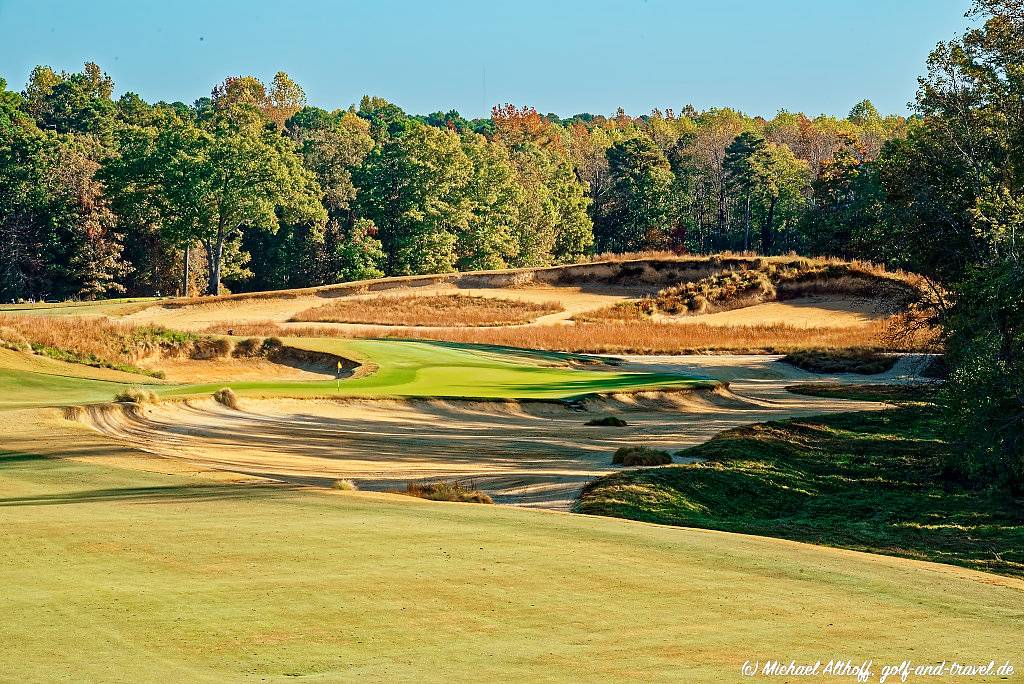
[(746, 224), (188, 269), (215, 252), (766, 228)]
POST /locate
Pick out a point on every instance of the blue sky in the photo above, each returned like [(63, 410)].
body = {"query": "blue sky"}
[(816, 56)]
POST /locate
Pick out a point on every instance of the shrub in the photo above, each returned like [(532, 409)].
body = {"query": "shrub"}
[(345, 486), (248, 348), (607, 421), (446, 491), (227, 397), (272, 345), (211, 348), (136, 395), (14, 340), (640, 456)]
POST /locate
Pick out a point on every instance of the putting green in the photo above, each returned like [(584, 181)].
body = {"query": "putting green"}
[(401, 368)]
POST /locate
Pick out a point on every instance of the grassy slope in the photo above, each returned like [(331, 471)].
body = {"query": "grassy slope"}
[(870, 481), (168, 577), (28, 380)]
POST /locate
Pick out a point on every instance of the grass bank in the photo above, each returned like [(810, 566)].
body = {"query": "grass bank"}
[(872, 481)]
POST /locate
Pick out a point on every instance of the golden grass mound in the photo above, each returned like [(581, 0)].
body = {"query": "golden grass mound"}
[(644, 336), (345, 486), (429, 310), (13, 340), (226, 397), (445, 491), (640, 456), (136, 395)]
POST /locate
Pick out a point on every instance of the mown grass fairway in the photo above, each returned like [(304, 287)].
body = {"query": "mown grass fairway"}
[(167, 577)]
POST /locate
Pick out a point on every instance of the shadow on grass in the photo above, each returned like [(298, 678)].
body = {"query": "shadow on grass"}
[(148, 495)]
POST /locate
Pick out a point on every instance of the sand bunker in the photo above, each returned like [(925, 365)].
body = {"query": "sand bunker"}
[(805, 312), (527, 453)]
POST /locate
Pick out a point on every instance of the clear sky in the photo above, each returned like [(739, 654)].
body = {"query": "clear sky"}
[(562, 56)]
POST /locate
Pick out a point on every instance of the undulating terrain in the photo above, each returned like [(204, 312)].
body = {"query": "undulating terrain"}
[(259, 535)]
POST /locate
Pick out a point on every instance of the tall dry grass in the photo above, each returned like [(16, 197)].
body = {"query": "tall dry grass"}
[(105, 343), (645, 337), (429, 310)]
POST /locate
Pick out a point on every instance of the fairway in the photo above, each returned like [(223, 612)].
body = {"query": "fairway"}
[(172, 577)]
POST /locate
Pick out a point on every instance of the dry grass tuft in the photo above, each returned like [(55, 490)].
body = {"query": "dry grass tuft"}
[(227, 397), (136, 395), (640, 456), (445, 491), (345, 486), (429, 310), (607, 421), (14, 340)]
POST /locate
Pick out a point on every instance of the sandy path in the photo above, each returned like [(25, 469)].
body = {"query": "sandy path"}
[(530, 454)]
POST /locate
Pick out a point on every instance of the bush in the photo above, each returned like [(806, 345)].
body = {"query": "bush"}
[(14, 340), (136, 395), (446, 491), (640, 456), (248, 348), (607, 421), (345, 486), (272, 345), (227, 397), (860, 361), (211, 348)]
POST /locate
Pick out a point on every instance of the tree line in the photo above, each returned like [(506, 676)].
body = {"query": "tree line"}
[(253, 188)]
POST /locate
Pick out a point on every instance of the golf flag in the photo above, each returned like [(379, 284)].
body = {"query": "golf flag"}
[(339, 367)]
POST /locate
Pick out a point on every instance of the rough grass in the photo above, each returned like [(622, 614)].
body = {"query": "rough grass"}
[(860, 361), (344, 486), (886, 392), (14, 340), (872, 481), (644, 337), (102, 343), (429, 310), (640, 456), (445, 491)]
